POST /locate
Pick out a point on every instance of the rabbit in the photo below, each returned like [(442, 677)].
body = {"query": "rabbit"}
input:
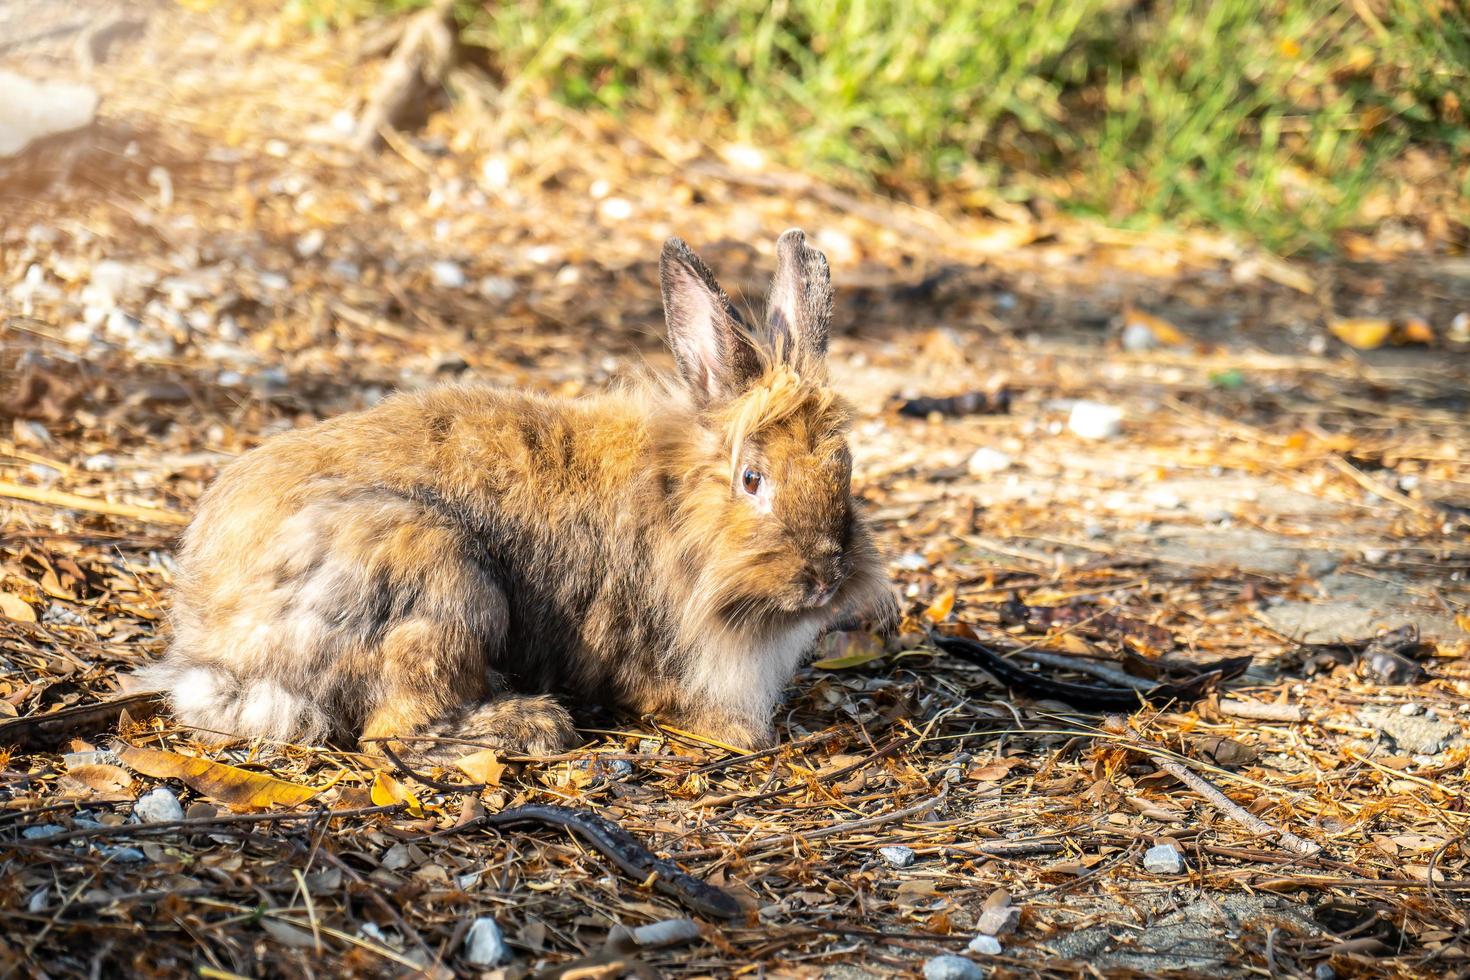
[(451, 562)]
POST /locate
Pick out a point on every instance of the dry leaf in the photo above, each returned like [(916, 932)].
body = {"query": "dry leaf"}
[(239, 789), (941, 607), (1223, 752), (14, 607), (1364, 333), (482, 767), (387, 791), (841, 650)]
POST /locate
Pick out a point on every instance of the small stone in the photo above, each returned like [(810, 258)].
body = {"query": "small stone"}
[(912, 561), (343, 269), (1138, 337), (42, 830), (497, 287), (29, 432), (999, 921), (127, 855), (158, 806), (1411, 709), (1324, 971), (950, 967), (1374, 556), (898, 857), (985, 461), (1459, 331), (484, 945), (620, 768), (1094, 420), (396, 857), (985, 946), (99, 463), (273, 281), (447, 275), (311, 243), (1163, 859), (615, 209)]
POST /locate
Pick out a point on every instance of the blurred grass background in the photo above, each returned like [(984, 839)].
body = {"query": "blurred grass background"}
[(1287, 121)]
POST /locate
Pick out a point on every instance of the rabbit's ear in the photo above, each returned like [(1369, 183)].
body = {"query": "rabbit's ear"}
[(799, 309), (712, 345)]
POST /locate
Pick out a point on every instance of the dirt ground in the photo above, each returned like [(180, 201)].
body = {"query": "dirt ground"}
[(206, 265)]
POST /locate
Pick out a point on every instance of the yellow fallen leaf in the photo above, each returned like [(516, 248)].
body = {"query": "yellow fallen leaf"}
[(845, 650), (1463, 621), (482, 767), (387, 791), (239, 789), (14, 607), (1364, 333), (1164, 331), (941, 607)]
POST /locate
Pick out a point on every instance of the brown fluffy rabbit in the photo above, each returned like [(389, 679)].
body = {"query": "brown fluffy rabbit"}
[(444, 562)]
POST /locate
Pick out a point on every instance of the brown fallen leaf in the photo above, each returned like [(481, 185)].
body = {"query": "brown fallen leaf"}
[(14, 607), (239, 789), (102, 782), (482, 767), (1226, 753)]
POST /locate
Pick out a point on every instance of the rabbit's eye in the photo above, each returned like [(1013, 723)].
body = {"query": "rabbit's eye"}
[(751, 480)]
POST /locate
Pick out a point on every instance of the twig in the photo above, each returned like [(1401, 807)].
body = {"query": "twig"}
[(71, 501), (1084, 666), (764, 845), (1378, 489), (204, 823), (1233, 810), (1262, 711)]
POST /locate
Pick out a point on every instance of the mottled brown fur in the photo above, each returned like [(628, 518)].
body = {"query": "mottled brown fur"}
[(438, 563)]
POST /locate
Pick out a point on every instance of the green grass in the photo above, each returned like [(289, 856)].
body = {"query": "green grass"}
[(1277, 118)]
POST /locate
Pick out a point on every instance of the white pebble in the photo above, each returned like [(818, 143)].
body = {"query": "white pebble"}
[(897, 857), (311, 243), (912, 561), (99, 463), (447, 275), (484, 945), (497, 287), (1163, 859), (985, 946), (1137, 337), (1411, 709), (951, 968), (157, 806), (985, 461), (1094, 420), (615, 209)]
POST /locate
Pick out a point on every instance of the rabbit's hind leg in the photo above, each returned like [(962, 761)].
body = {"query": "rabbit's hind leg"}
[(525, 724)]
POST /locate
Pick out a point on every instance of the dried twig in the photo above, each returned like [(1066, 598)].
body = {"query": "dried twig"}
[(1233, 810), (72, 501)]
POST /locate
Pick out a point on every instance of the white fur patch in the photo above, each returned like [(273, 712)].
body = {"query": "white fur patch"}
[(268, 709), (198, 695), (745, 675)]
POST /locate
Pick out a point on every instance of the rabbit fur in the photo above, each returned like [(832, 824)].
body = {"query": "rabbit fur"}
[(450, 562)]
